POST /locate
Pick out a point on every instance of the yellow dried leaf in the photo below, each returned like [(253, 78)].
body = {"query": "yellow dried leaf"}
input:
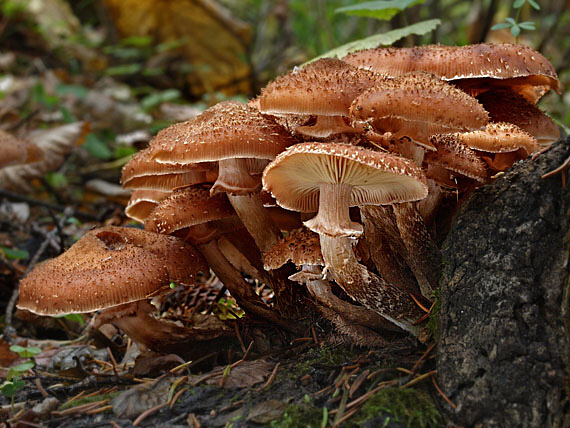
[(216, 42)]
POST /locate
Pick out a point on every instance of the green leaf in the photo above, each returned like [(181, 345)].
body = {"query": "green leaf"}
[(510, 20), (78, 318), (384, 39), (515, 30), (9, 389), (96, 147), (519, 3), (78, 91), (501, 26), (383, 9), (20, 369), (157, 98), (56, 180), (534, 4), (527, 25), (138, 41), (25, 352), (14, 253)]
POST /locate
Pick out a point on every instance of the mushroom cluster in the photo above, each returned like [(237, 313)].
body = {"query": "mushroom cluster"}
[(334, 186)]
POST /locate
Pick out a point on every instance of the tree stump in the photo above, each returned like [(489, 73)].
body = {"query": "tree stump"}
[(503, 339)]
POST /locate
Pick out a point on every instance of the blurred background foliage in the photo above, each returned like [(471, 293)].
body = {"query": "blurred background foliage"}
[(131, 67)]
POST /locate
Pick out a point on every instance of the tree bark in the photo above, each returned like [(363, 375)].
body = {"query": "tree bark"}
[(503, 339)]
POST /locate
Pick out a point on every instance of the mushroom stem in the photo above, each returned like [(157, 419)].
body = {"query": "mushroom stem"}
[(387, 250), (256, 220), (424, 255), (320, 289), (234, 178), (327, 126), (239, 289), (365, 287), (333, 218)]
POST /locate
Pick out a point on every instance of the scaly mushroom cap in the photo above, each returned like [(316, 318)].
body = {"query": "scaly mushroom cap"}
[(227, 130), (14, 150), (144, 172), (486, 60), (294, 177), (142, 202), (108, 267), (188, 207), (417, 104), (301, 246), (325, 87), (504, 105), (499, 138), (455, 156)]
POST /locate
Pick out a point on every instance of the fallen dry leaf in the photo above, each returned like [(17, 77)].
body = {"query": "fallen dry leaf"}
[(140, 398), (56, 143), (244, 375), (215, 41), (267, 411)]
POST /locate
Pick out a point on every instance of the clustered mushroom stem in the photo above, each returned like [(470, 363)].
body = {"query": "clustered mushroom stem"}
[(367, 288), (256, 220), (320, 289), (424, 255), (239, 289), (333, 217)]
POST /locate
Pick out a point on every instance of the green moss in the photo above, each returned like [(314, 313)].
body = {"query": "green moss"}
[(299, 416), (413, 407)]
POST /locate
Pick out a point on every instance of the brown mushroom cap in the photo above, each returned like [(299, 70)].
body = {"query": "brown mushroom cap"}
[(416, 105), (144, 172), (301, 246), (188, 207), (455, 156), (225, 131), (294, 177), (108, 267), (325, 87), (486, 60), (504, 105), (499, 138), (142, 202)]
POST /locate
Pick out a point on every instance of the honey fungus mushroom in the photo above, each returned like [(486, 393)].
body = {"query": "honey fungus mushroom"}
[(416, 105), (474, 68), (231, 134), (324, 88), (114, 270), (330, 178)]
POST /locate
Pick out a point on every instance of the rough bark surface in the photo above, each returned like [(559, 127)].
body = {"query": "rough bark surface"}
[(504, 344)]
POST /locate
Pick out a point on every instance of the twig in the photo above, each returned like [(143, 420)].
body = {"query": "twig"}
[(148, 413), (270, 378), (445, 397)]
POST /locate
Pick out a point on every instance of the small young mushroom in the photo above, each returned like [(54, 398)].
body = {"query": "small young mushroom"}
[(331, 178), (324, 88), (112, 269), (417, 105), (474, 68), (500, 144)]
